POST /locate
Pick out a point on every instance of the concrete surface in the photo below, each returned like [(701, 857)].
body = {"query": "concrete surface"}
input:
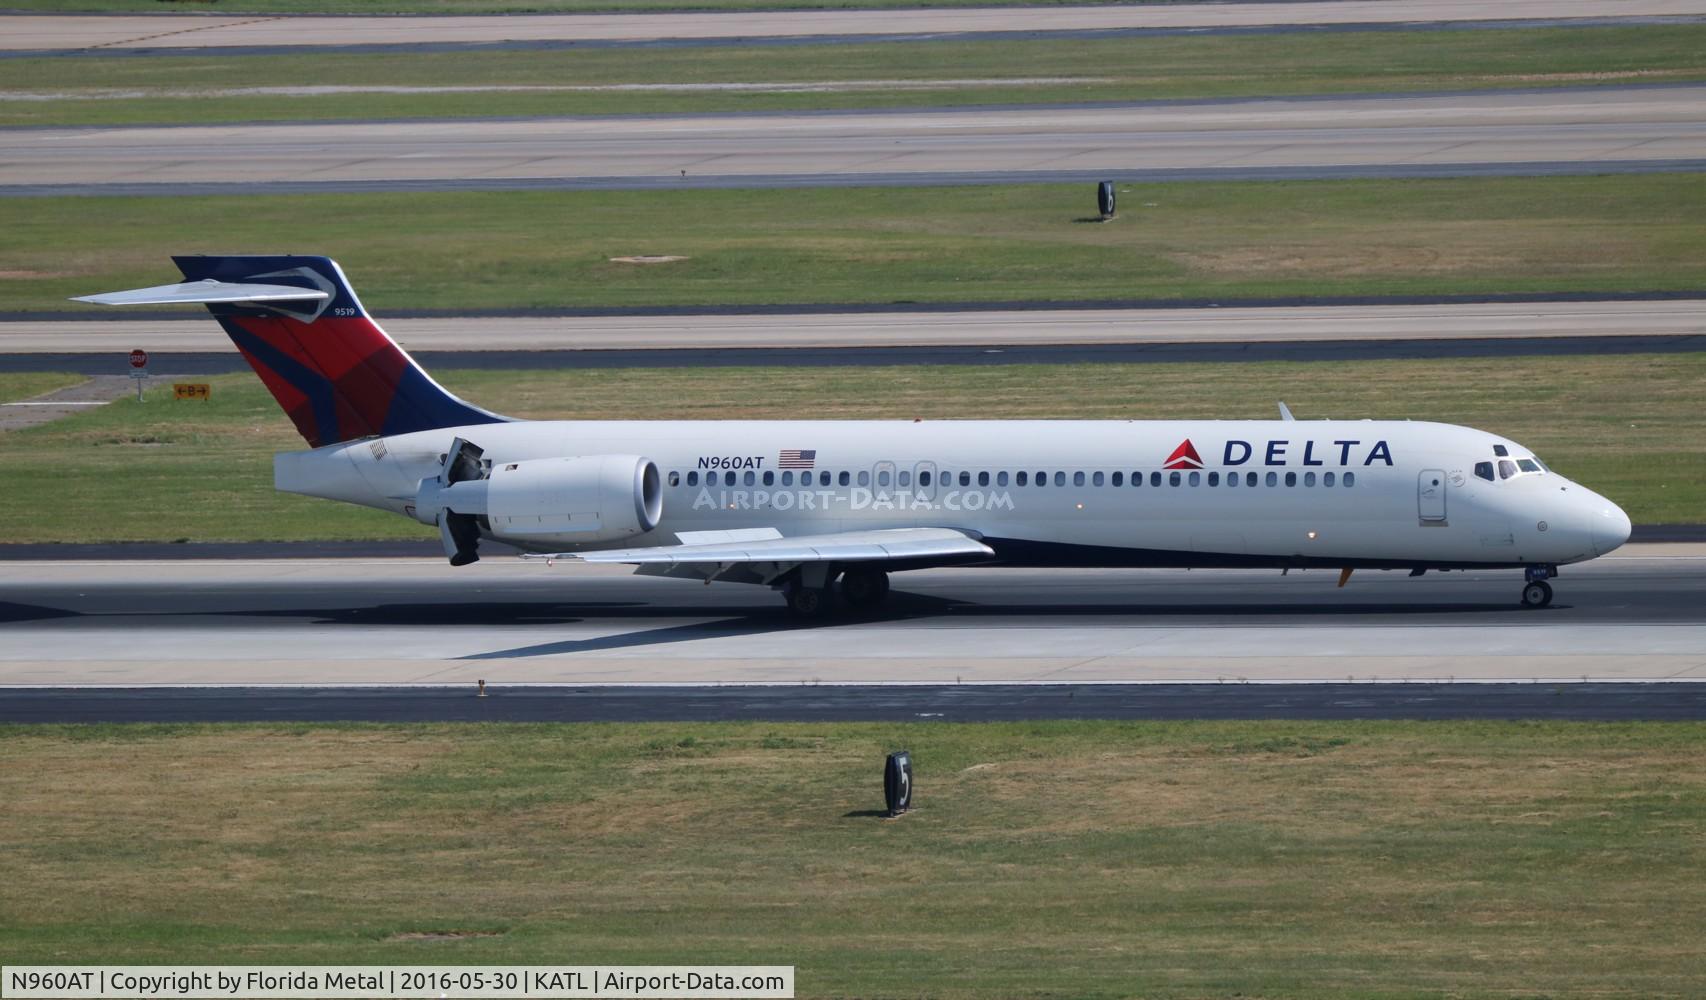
[(1520, 131), (42, 32), (973, 327), (1635, 616)]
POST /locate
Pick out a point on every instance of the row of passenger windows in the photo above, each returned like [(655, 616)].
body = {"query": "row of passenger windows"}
[(903, 479)]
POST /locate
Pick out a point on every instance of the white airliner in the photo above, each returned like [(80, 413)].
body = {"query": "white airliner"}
[(827, 509)]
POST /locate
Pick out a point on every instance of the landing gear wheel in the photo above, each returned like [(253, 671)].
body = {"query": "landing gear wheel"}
[(864, 588), (808, 602), (1537, 594)]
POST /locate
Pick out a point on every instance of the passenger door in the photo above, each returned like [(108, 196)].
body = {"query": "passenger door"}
[(1430, 496)]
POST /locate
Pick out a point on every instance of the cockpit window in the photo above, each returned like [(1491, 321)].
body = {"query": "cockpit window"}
[(1484, 470), (1507, 468), (1501, 451), (1528, 465)]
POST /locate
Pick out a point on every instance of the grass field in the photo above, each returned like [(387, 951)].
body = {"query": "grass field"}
[(15, 386), (1626, 425), (207, 88), (920, 244), (1321, 860)]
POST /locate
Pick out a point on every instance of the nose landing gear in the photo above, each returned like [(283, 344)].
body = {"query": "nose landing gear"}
[(1537, 593)]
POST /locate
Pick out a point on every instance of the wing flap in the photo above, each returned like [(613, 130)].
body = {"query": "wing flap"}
[(845, 546)]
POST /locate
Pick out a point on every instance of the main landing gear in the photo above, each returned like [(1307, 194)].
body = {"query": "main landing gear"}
[(1537, 593), (861, 588)]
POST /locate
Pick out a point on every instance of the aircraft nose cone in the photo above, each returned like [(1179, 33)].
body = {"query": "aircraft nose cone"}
[(1611, 528)]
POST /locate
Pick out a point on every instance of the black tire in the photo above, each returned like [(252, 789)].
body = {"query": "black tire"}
[(1537, 594), (864, 588), (808, 602)]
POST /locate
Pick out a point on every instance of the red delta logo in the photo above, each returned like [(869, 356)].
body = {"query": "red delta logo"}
[(1184, 457)]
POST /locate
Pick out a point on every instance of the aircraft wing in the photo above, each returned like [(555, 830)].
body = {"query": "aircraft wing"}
[(713, 549)]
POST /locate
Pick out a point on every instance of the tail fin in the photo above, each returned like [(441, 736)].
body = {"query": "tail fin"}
[(335, 372)]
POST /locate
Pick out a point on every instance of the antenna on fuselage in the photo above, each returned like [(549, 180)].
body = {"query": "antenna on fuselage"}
[(1285, 412)]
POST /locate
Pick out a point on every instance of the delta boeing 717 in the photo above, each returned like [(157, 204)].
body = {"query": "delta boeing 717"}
[(824, 510)]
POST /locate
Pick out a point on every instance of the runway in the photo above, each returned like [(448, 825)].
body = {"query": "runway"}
[(1573, 701), (1635, 616), (46, 33), (1580, 130), (967, 328)]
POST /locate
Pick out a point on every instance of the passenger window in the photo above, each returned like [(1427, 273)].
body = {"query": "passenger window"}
[(864, 478), (1155, 479), (1078, 479), (1326, 479), (693, 479), (728, 479), (1172, 479), (750, 479), (823, 479), (1350, 479), (1484, 470), (1507, 468), (905, 478), (675, 479), (1196, 479), (1273, 479), (1119, 479), (883, 478), (788, 478), (770, 479), (1060, 479), (1232, 479), (1096, 479), (983, 479), (1214, 479), (924, 478), (1309, 479), (845, 479), (1020, 479), (1001, 479), (1291, 479)]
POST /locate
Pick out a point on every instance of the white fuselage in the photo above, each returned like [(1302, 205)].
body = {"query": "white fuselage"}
[(1267, 493)]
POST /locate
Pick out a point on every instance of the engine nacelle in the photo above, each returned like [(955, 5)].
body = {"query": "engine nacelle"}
[(598, 498), (594, 498)]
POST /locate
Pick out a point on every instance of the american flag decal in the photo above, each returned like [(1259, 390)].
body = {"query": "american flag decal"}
[(796, 458)]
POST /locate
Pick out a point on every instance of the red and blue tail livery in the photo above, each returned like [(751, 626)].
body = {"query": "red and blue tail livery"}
[(300, 326), (335, 372)]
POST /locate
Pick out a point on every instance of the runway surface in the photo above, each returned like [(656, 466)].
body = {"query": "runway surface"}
[(1604, 129), (1636, 616), (976, 328), (842, 703), (57, 33)]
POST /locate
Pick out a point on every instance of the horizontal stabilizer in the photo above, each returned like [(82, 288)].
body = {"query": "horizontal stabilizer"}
[(208, 291), (845, 546)]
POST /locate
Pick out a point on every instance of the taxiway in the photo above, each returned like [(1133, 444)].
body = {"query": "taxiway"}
[(1639, 615), (1567, 130)]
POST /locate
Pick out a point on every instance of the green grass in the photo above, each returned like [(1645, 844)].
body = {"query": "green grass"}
[(24, 385), (856, 245), (1166, 860), (1625, 425), (187, 88)]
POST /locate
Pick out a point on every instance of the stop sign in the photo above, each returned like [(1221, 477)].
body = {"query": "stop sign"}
[(139, 358)]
